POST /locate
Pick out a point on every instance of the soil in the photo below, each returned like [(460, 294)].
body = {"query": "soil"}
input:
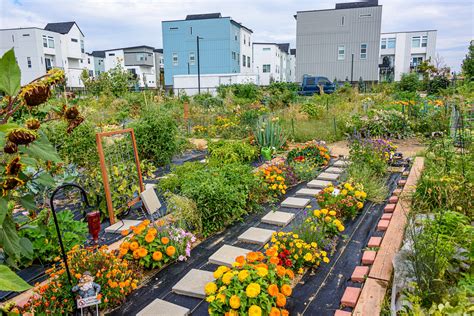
[(408, 147)]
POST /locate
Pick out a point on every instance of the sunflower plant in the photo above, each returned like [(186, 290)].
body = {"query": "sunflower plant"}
[(255, 285), (295, 253), (153, 247), (28, 159), (346, 199)]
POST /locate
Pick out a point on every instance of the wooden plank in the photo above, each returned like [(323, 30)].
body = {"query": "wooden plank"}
[(371, 298)]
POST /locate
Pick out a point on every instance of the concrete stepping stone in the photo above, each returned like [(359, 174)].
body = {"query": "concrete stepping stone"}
[(307, 192), (193, 283), (341, 163), (163, 308), (278, 218), (334, 170), (328, 176), (120, 226), (255, 235), (293, 202), (321, 184), (226, 255)]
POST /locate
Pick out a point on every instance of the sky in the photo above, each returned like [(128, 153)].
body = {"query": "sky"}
[(111, 24)]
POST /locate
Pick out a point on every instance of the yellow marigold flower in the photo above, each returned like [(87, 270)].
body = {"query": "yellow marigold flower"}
[(360, 205), (227, 278), (210, 299), (314, 245), (327, 219), (252, 290), (243, 275), (340, 228), (234, 302), (308, 256), (255, 310), (332, 213), (324, 211), (221, 297), (326, 259), (317, 213), (210, 288), (344, 192), (262, 272)]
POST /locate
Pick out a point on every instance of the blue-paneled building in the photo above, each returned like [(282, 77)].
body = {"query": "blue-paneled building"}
[(223, 44)]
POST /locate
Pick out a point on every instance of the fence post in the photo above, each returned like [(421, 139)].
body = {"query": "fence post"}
[(293, 126), (335, 128)]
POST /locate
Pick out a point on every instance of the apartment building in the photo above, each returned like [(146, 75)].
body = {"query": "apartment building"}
[(37, 50), (292, 65), (272, 62), (224, 46), (159, 67), (340, 43), (403, 52), (139, 60)]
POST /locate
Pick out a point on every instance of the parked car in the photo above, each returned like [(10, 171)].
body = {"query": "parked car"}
[(312, 84)]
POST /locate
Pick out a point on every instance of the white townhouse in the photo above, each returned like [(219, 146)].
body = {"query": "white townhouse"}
[(139, 60), (403, 52), (37, 50), (246, 51), (272, 63), (292, 71)]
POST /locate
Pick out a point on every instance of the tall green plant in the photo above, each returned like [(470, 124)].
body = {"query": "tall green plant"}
[(269, 134)]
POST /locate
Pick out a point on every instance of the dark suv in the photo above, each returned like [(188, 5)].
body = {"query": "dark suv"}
[(311, 85)]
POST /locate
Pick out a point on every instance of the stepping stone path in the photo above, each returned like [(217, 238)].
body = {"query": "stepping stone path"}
[(328, 176), (341, 163), (255, 235), (120, 226), (163, 308), (293, 202), (334, 170), (307, 192), (278, 218), (193, 283), (321, 184), (226, 255)]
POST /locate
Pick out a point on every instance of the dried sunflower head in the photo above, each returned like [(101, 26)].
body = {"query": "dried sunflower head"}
[(10, 148), (14, 167), (33, 124), (74, 123), (71, 113), (22, 136), (36, 94), (11, 183)]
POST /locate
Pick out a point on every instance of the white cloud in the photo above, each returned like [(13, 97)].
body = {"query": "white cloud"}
[(118, 23)]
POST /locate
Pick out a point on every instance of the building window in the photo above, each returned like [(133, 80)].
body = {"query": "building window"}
[(45, 41), (245, 39), (140, 57), (173, 28), (238, 59), (82, 46), (416, 61), (50, 42), (368, 15), (28, 61), (175, 59), (391, 42), (91, 73), (363, 51), (192, 58), (244, 60), (111, 54), (424, 41), (191, 30), (341, 52), (266, 68), (74, 40), (88, 61), (26, 35), (235, 36), (415, 41), (248, 61), (233, 55), (343, 20), (266, 49)]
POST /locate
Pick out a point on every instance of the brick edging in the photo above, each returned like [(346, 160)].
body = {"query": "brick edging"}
[(373, 292)]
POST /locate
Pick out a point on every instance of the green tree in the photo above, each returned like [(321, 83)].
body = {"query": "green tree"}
[(117, 81), (468, 63)]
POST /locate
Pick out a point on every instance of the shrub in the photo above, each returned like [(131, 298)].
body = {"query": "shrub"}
[(156, 135), (409, 82), (224, 152), (208, 101), (346, 199), (313, 152), (381, 123), (222, 194), (313, 110), (116, 277), (44, 238), (154, 248), (255, 285), (438, 83), (185, 211), (375, 153)]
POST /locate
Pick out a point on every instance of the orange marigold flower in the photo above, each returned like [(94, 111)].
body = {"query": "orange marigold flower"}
[(142, 252), (274, 260), (170, 251), (134, 246), (252, 256), (286, 290), (275, 312), (123, 251), (284, 312), (290, 274), (281, 271), (281, 300), (125, 245), (157, 255), (165, 240), (271, 252), (125, 232), (273, 290), (240, 259), (149, 238)]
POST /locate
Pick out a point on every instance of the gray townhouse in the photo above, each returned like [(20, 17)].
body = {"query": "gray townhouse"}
[(340, 43)]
